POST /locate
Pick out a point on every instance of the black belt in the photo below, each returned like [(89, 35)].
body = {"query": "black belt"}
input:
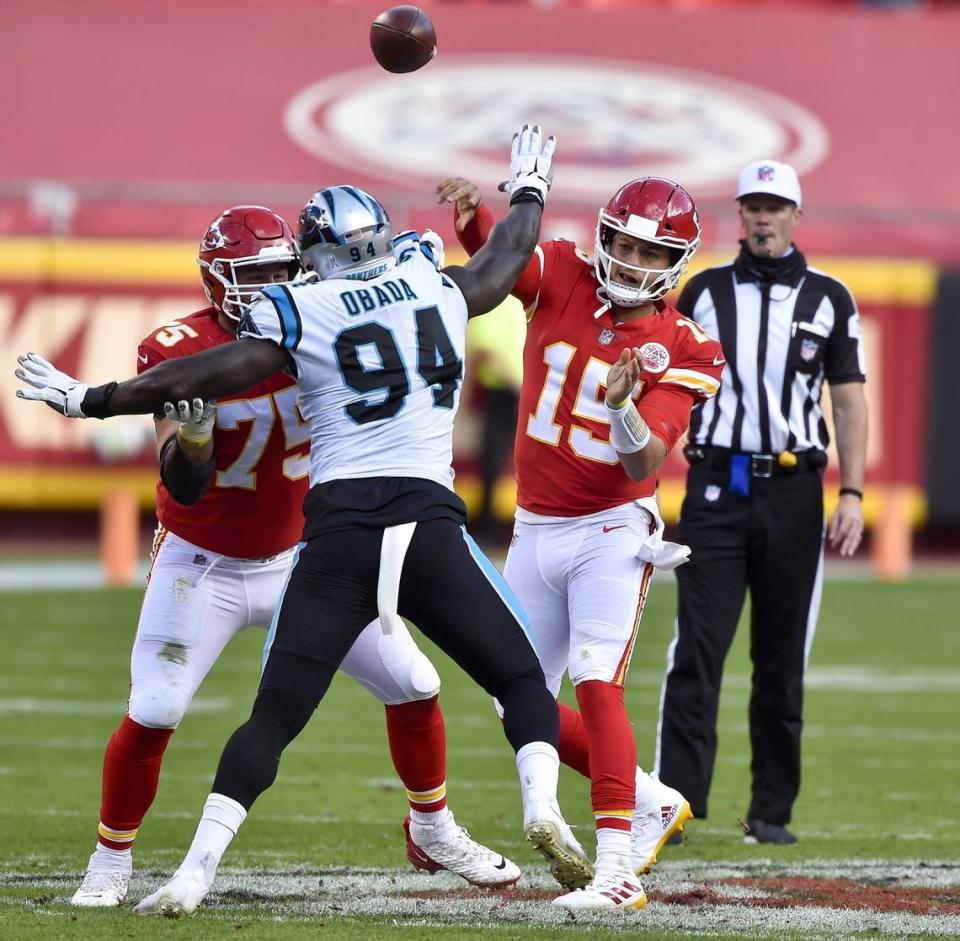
[(761, 465)]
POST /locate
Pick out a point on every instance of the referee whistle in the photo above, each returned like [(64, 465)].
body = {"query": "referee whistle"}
[(787, 459)]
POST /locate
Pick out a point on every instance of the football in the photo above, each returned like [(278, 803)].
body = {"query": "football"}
[(403, 39)]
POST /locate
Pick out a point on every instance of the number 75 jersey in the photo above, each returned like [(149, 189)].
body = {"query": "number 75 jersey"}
[(379, 365), (566, 465), (253, 506)]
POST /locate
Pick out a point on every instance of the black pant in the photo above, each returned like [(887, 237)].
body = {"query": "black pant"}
[(447, 588), (772, 544)]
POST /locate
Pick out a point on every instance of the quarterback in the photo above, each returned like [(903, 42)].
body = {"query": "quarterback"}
[(233, 478), (377, 344), (610, 373)]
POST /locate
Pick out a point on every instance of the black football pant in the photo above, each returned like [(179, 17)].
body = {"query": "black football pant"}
[(770, 543), (450, 592)]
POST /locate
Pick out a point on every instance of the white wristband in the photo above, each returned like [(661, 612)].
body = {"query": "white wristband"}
[(628, 431)]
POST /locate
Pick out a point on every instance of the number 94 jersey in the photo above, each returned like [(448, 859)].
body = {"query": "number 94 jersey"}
[(566, 465), (253, 507), (379, 364)]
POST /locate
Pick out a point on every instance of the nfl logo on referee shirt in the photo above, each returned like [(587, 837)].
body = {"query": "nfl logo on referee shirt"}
[(808, 349)]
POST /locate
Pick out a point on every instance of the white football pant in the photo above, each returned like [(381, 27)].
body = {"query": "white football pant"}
[(583, 583), (197, 600)]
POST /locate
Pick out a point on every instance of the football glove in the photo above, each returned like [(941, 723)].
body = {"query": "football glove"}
[(61, 392), (434, 244), (196, 419), (531, 165)]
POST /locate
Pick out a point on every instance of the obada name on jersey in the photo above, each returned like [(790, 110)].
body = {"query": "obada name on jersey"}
[(368, 299)]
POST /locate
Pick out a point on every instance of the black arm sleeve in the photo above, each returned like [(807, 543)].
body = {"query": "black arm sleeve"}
[(186, 481)]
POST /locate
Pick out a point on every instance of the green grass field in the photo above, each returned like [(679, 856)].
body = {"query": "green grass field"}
[(878, 817)]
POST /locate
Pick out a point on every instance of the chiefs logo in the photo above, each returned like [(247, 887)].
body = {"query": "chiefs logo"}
[(654, 356), (213, 238)]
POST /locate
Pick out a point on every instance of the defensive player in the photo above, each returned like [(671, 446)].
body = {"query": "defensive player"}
[(588, 532), (377, 345), (232, 482)]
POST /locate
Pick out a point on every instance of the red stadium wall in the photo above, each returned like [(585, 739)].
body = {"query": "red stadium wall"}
[(159, 113)]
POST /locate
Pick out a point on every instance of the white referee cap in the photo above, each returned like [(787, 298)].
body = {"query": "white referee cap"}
[(771, 178)]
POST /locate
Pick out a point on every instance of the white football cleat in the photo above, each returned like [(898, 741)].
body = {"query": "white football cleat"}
[(610, 889), (549, 834), (103, 887), (449, 846), (180, 896), (649, 832)]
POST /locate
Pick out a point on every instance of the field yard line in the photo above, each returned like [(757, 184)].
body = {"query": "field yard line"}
[(103, 708)]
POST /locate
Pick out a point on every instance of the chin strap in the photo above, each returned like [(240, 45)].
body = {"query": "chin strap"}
[(602, 309)]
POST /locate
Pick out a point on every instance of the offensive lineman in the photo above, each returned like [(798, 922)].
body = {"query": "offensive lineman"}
[(588, 531), (379, 365), (232, 481)]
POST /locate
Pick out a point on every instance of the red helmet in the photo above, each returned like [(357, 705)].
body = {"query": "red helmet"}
[(656, 210), (241, 237)]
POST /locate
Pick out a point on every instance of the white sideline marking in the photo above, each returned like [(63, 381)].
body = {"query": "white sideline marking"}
[(303, 895)]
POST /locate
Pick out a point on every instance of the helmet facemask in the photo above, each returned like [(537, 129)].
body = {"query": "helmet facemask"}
[(232, 296), (654, 283)]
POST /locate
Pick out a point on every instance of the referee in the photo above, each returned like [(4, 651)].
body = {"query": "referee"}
[(753, 512)]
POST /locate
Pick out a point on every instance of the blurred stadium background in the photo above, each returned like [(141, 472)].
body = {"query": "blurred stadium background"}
[(130, 124)]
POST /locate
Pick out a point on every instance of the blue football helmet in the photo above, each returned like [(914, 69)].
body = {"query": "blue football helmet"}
[(345, 233)]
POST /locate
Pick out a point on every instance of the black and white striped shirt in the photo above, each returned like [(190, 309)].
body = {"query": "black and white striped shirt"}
[(782, 339)]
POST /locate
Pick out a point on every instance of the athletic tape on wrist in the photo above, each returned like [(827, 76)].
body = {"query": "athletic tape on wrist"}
[(628, 431)]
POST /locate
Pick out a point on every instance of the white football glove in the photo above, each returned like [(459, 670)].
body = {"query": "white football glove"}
[(196, 419), (60, 391), (433, 241), (531, 163)]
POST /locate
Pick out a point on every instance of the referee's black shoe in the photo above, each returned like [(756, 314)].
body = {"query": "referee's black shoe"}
[(759, 831)]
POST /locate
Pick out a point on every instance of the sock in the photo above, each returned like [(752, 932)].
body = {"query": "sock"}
[(106, 859), (539, 768), (219, 822), (574, 747), (418, 746), (131, 773), (613, 758), (613, 848)]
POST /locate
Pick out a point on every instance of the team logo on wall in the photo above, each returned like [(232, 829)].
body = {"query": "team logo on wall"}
[(655, 357), (614, 120)]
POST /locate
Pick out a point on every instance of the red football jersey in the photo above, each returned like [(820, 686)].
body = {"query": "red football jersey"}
[(565, 463), (253, 508)]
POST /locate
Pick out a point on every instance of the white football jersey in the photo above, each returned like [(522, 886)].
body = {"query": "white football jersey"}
[(379, 365)]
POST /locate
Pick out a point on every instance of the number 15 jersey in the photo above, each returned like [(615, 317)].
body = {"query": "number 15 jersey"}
[(379, 365), (566, 465)]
